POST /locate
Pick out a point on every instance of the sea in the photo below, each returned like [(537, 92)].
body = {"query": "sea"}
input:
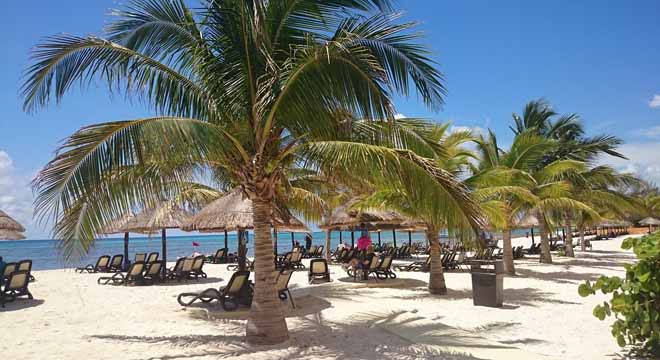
[(46, 255)]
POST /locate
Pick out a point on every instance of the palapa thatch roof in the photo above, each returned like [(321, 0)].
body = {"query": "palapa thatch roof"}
[(11, 235), (10, 229), (345, 218), (649, 221), (526, 222), (164, 216), (119, 225), (614, 223), (233, 212)]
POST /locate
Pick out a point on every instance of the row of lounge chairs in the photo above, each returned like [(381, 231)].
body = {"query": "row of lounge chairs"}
[(314, 252), (449, 262), (240, 290), (16, 278), (139, 273), (290, 261)]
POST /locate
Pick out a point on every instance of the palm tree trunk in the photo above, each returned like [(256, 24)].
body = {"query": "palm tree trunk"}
[(568, 242), (327, 246), (509, 267), (266, 324), (545, 257), (583, 246), (436, 277)]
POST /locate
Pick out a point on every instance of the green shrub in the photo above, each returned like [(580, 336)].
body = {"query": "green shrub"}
[(635, 300)]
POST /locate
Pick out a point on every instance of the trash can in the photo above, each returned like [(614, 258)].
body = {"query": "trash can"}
[(487, 283)]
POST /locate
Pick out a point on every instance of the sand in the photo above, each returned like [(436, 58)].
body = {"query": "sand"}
[(543, 317)]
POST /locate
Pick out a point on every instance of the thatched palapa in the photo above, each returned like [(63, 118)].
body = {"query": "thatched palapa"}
[(10, 229)]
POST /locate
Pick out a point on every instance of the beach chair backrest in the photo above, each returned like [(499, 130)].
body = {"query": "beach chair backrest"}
[(237, 281), (153, 257), (187, 264), (282, 282), (140, 257), (288, 256), (296, 249), (318, 266), (135, 269), (179, 264), (428, 260), (10, 268), (198, 262), (103, 261), (25, 265), (319, 250), (117, 260), (375, 261), (221, 253), (386, 263), (312, 250), (296, 257), (18, 280), (154, 268)]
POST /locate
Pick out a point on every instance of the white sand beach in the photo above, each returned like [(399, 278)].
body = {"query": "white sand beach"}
[(543, 317)]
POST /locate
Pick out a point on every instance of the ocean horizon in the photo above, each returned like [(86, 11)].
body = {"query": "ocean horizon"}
[(45, 254)]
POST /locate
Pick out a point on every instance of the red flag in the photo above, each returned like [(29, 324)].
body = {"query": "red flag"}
[(195, 244)]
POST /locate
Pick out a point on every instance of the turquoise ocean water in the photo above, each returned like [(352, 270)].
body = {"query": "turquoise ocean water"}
[(45, 254)]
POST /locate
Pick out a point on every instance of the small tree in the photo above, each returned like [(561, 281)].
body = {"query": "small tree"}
[(635, 300)]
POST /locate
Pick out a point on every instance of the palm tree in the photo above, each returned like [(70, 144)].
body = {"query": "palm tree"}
[(505, 176), (232, 82), (568, 131), (425, 201)]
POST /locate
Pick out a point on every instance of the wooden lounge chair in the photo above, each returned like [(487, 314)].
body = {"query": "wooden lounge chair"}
[(9, 268), (102, 265), (237, 291), (196, 270), (134, 275), (318, 269), (282, 286), (182, 269), (384, 269), (116, 263), (26, 265), (220, 257), (153, 257), (16, 285), (416, 266), (152, 272)]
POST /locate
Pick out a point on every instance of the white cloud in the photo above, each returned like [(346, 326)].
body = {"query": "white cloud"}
[(399, 116), (643, 160), (476, 130), (16, 195), (655, 101), (651, 133)]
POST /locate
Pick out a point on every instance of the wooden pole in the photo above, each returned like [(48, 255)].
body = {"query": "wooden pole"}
[(341, 241), (293, 241), (352, 238), (379, 238), (394, 237), (164, 249), (409, 238), (275, 241), (226, 246), (126, 251), (532, 236)]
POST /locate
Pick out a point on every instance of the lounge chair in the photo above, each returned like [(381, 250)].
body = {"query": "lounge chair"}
[(196, 270), (384, 269), (182, 269), (237, 291), (26, 265), (248, 265), (177, 267), (220, 257), (9, 268), (140, 257), (116, 263), (311, 252), (16, 285), (152, 272), (102, 265), (416, 266), (284, 262), (153, 257), (318, 269), (282, 286), (134, 275), (319, 251)]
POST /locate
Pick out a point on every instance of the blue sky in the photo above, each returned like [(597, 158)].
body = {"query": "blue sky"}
[(602, 62)]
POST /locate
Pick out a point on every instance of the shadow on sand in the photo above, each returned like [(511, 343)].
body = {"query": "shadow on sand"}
[(20, 304)]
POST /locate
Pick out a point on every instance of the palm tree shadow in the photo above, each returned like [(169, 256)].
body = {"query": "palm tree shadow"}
[(560, 277)]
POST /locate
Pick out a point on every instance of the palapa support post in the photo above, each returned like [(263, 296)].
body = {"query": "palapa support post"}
[(241, 249), (126, 250), (409, 238), (379, 238), (352, 239), (275, 242), (293, 241), (394, 237), (163, 238), (340, 237), (532, 236), (226, 246)]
